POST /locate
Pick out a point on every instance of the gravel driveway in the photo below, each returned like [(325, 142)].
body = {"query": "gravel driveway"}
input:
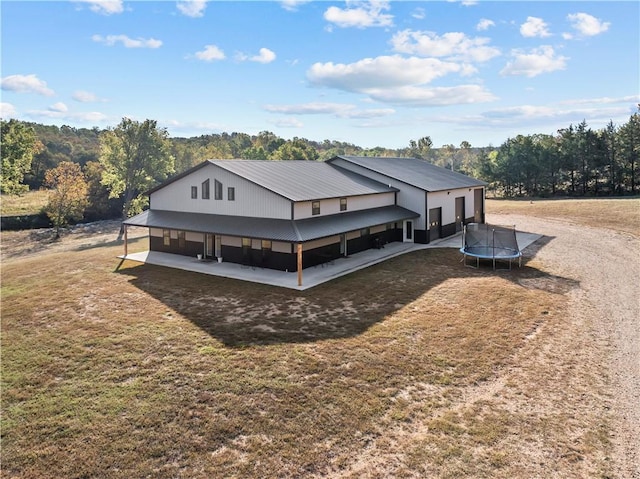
[(606, 306)]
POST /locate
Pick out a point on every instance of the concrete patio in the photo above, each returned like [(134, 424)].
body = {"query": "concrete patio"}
[(311, 276)]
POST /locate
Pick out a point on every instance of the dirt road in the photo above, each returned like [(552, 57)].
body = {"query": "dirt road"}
[(606, 312)]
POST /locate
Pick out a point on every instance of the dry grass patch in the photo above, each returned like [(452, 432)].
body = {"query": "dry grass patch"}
[(416, 367), (618, 214), (31, 203)]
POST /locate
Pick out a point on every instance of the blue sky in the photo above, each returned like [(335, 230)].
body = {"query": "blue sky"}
[(370, 73)]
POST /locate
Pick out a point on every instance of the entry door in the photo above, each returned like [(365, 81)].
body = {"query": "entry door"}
[(459, 213), (435, 217), (209, 246), (343, 245), (478, 206), (408, 231)]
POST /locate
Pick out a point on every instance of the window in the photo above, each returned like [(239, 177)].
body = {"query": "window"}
[(246, 242), (266, 245), (365, 232), (315, 208), (343, 204), (166, 237), (194, 192), (217, 190), (231, 193), (205, 190)]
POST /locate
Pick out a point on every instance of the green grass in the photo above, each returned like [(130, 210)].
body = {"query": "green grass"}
[(152, 372)]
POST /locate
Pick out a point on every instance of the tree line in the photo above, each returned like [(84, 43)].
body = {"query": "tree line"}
[(100, 174)]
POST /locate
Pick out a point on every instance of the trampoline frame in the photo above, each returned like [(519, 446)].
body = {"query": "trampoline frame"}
[(489, 250)]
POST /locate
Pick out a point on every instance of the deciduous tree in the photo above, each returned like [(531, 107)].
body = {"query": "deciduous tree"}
[(19, 144), (68, 197), (135, 156)]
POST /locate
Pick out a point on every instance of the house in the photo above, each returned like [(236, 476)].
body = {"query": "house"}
[(291, 215)]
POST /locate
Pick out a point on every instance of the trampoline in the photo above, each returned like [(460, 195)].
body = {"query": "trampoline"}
[(496, 243)]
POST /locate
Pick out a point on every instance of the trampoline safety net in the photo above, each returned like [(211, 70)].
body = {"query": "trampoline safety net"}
[(483, 241)]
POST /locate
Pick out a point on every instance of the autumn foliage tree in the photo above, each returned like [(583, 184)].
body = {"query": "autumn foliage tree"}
[(69, 194)]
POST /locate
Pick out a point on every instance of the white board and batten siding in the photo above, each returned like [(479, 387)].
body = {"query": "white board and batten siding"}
[(331, 206), (250, 199)]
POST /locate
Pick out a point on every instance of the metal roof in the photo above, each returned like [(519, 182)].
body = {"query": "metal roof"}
[(414, 172), (300, 180), (272, 229)]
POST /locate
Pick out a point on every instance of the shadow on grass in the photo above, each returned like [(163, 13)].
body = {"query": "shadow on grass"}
[(240, 313)]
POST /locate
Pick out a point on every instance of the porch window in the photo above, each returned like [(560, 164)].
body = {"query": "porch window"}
[(194, 192), (315, 208), (217, 190), (365, 232), (266, 245), (343, 204), (205, 190), (166, 237)]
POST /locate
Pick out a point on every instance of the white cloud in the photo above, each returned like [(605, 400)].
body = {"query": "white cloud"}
[(210, 53), (399, 80), (104, 7), (539, 60), (85, 97), (534, 27), (634, 99), (265, 56), (419, 14), (484, 24), (92, 117), (427, 96), (530, 115), (7, 110), (340, 110), (292, 5), (379, 72), (455, 45), (587, 25), (127, 42), (365, 14), (59, 107), (192, 8), (26, 84), (287, 122)]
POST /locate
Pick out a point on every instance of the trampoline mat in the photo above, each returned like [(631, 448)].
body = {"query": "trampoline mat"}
[(487, 252)]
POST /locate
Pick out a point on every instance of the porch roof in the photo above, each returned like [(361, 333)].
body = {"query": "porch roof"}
[(294, 231)]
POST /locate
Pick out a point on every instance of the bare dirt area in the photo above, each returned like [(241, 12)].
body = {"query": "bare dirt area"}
[(18, 245)]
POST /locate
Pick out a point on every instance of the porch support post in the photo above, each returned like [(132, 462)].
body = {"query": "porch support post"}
[(126, 246), (299, 264)]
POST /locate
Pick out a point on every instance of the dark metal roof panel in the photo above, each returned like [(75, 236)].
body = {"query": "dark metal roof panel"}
[(323, 226), (271, 229), (415, 172), (300, 180), (265, 228)]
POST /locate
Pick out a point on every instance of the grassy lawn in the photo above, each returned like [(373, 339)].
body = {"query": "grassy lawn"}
[(152, 372), (31, 203)]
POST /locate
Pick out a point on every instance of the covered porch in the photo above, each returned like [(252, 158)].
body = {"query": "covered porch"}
[(311, 277)]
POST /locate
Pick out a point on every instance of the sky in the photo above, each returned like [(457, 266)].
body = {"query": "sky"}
[(370, 73)]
